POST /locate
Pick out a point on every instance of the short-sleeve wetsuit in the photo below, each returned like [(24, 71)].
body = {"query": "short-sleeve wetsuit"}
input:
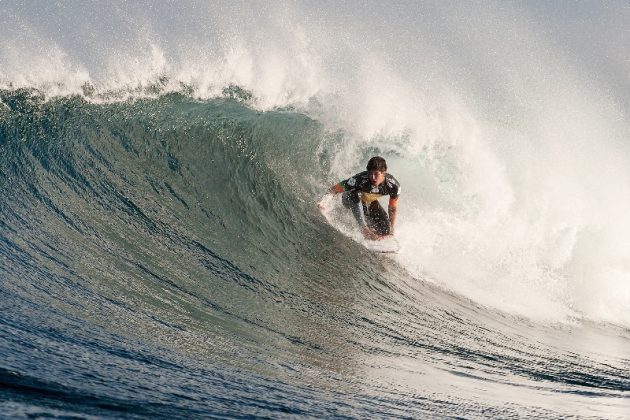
[(362, 197)]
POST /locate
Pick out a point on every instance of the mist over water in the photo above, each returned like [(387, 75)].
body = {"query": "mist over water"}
[(506, 123)]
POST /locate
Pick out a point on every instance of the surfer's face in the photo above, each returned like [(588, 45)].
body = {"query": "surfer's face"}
[(376, 177)]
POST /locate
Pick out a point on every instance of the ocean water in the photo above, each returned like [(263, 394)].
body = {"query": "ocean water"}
[(162, 253)]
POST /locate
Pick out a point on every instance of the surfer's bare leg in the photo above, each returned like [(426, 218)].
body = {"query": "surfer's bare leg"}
[(352, 200), (377, 219)]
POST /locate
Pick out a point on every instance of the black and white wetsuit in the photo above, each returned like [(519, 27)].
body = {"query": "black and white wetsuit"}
[(362, 197)]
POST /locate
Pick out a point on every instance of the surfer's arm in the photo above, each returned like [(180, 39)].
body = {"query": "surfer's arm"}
[(391, 212)]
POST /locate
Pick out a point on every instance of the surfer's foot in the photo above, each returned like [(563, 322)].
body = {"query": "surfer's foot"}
[(371, 235)]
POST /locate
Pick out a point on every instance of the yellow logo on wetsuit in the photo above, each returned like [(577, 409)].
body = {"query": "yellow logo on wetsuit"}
[(369, 197)]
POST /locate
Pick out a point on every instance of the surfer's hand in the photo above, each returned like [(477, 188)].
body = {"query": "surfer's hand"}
[(381, 237), (369, 234), (323, 203)]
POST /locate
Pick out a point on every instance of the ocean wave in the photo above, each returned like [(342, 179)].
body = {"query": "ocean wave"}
[(162, 253)]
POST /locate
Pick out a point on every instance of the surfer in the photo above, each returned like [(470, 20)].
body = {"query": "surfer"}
[(361, 192)]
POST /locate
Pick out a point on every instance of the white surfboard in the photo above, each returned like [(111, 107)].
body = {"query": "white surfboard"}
[(388, 245)]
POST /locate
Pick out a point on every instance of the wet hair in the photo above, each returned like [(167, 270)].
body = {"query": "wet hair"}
[(377, 163)]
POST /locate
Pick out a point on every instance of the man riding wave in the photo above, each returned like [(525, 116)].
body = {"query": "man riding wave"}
[(361, 193)]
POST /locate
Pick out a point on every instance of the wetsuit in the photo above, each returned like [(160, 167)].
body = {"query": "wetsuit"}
[(360, 196)]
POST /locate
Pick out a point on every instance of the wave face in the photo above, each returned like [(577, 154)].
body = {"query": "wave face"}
[(161, 249)]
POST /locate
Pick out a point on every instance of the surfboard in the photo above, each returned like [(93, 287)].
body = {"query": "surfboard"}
[(384, 246)]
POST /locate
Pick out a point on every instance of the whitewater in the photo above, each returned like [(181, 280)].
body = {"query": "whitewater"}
[(162, 253)]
